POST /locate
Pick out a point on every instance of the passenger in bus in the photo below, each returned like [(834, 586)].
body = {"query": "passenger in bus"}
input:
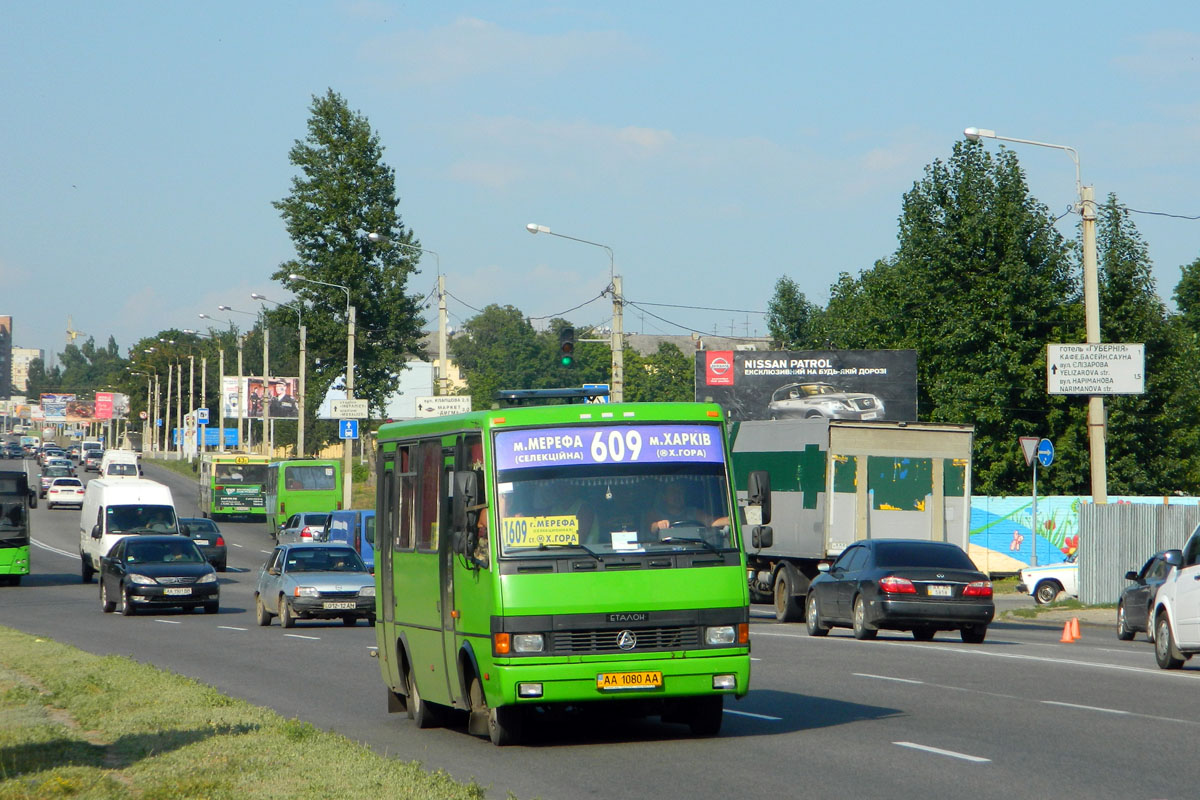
[(672, 506)]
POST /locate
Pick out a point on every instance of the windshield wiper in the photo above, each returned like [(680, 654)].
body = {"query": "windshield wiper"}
[(590, 551), (691, 540)]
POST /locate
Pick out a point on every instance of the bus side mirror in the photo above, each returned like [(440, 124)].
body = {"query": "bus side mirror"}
[(32, 499), (762, 537), (467, 485), (758, 493)]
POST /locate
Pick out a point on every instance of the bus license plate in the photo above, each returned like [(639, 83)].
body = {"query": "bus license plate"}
[(938, 590), (616, 681), (339, 606), (177, 590)]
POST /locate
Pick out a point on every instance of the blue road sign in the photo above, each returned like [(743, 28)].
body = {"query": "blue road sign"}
[(600, 399), (201, 416), (1045, 452), (348, 429)]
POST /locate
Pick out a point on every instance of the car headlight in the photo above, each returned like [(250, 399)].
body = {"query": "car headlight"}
[(144, 580), (306, 591), (528, 643), (367, 591), (209, 578), (720, 634)]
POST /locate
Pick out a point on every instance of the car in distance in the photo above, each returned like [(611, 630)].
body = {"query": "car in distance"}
[(207, 536), (65, 492), (314, 581), (1137, 599), (901, 584), (92, 459), (157, 571), (815, 399), (13, 450), (306, 526), (1047, 582), (49, 474)]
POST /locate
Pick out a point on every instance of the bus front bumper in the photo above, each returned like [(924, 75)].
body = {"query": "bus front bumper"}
[(14, 560)]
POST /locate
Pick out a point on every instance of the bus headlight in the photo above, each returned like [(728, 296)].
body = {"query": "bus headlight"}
[(306, 591), (528, 643), (367, 591), (720, 634)]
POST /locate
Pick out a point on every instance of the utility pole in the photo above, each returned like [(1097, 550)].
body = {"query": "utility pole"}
[(300, 399), (241, 399), (221, 403), (154, 422), (444, 369), (347, 444), (191, 391), (203, 429), (167, 421), (617, 390), (179, 408), (1091, 309), (266, 395)]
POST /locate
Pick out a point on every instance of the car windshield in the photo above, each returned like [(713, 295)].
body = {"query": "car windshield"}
[(629, 489), (309, 478), (57, 472), (324, 559), (920, 554), (140, 519), (180, 552), (240, 473)]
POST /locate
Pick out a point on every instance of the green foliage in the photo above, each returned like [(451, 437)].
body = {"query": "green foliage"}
[(791, 318), (343, 193), (665, 376)]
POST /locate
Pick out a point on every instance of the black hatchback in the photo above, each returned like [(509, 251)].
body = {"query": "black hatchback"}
[(1133, 606), (903, 585), (157, 572)]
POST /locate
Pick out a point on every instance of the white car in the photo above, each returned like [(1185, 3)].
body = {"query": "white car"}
[(1175, 618), (65, 492), (1048, 582)]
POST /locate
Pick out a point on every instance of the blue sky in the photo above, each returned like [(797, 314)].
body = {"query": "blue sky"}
[(713, 149)]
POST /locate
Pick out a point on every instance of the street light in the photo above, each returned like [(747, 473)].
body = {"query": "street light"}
[(617, 342), (303, 361), (347, 467), (1091, 302), (266, 381), (204, 391), (443, 355), (241, 400)]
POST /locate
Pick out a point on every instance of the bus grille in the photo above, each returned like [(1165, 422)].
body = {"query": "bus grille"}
[(674, 637)]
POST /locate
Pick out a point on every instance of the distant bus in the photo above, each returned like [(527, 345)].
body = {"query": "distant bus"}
[(308, 484), (15, 500), (234, 485)]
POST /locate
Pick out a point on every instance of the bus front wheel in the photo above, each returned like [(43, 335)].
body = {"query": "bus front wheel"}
[(503, 724)]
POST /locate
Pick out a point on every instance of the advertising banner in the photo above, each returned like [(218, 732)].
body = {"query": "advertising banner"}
[(791, 384), (104, 405), (54, 406), (81, 410), (283, 394)]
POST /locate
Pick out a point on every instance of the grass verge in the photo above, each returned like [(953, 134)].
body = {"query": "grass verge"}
[(73, 724)]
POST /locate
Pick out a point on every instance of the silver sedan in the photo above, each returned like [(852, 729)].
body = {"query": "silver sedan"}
[(314, 581)]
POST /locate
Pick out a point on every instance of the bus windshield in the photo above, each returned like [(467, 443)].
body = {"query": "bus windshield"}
[(12, 515), (309, 478), (240, 473), (647, 488)]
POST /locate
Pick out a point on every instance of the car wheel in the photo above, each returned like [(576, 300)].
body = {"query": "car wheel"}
[(49, 506), (706, 715), (127, 608), (106, 605), (924, 634), (286, 620), (349, 620), (1123, 631), (212, 608), (221, 567), (1166, 654), (1046, 591), (260, 612), (371, 620), (426, 715), (973, 634), (85, 568), (813, 617), (787, 609), (861, 629)]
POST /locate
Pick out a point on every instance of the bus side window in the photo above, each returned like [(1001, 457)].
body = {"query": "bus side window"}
[(403, 524), (429, 473)]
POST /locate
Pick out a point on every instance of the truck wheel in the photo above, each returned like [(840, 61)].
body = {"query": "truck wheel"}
[(1124, 633), (816, 627), (787, 608), (1165, 652), (861, 629), (1046, 591)]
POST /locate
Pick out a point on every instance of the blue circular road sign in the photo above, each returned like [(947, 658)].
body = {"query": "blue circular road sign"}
[(1045, 452)]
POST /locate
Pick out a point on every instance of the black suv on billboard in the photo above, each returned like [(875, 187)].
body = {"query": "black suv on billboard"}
[(816, 399)]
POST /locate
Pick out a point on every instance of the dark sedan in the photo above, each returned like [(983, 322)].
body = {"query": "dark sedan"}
[(1133, 606), (207, 536), (903, 585), (157, 572)]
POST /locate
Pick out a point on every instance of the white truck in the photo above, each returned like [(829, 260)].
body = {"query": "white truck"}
[(834, 482), (115, 508)]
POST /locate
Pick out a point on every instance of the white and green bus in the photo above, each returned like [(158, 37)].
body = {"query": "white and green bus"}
[(530, 557)]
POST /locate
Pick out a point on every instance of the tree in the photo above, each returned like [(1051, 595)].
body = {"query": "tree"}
[(665, 376), (344, 193), (791, 318)]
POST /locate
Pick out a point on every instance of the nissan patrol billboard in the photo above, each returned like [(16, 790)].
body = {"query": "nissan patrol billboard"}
[(802, 384)]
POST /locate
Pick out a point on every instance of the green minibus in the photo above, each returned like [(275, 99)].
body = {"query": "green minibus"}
[(234, 485), (15, 500), (558, 556), (303, 484)]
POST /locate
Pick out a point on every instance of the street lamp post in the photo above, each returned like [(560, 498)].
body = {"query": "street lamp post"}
[(241, 400), (1091, 303), (266, 380), (303, 361), (616, 392), (347, 466)]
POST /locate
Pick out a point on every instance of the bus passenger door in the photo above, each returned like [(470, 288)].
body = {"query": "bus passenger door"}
[(446, 578)]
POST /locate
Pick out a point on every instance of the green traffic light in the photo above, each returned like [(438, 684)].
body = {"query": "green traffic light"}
[(566, 361)]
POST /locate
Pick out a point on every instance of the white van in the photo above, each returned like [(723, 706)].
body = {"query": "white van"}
[(117, 507), (120, 464)]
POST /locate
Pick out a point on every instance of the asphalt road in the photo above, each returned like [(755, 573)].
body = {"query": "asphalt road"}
[(1021, 716)]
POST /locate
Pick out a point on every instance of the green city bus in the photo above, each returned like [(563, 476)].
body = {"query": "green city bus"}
[(519, 564), (303, 484), (234, 485), (15, 500)]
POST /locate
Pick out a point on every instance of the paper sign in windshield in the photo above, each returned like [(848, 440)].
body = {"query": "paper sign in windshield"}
[(614, 444), (536, 531)]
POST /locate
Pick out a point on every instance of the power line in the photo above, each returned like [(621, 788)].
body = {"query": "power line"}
[(569, 310)]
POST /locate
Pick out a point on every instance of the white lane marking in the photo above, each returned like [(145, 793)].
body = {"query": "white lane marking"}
[(752, 658), (939, 751), (885, 678), (298, 636), (1085, 708), (235, 544), (265, 552), (45, 546), (755, 716), (169, 621), (231, 628)]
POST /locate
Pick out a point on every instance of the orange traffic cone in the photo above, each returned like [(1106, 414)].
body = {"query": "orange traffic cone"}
[(1075, 629), (1066, 636)]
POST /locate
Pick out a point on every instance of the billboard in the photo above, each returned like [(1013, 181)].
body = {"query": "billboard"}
[(791, 384), (6, 364), (283, 394), (54, 406)]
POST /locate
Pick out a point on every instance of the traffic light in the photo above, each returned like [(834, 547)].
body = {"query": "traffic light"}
[(566, 346)]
